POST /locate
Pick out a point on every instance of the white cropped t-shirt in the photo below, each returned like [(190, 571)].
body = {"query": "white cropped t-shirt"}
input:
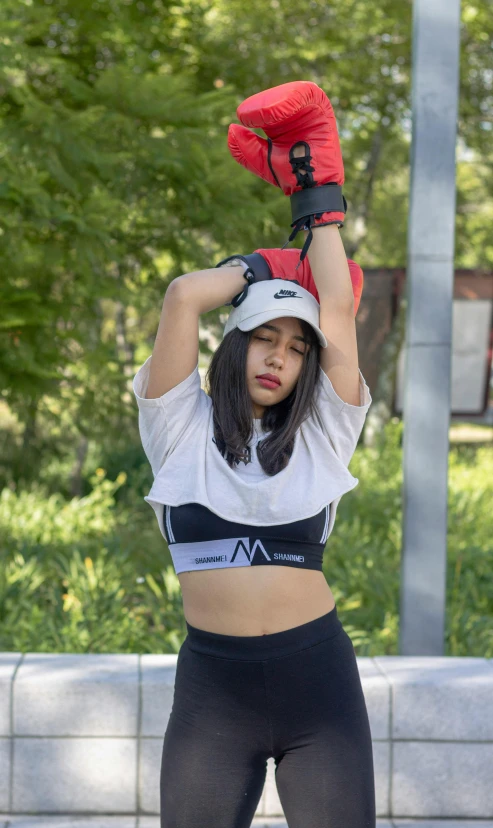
[(177, 433)]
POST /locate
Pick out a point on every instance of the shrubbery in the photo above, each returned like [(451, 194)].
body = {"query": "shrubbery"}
[(93, 574)]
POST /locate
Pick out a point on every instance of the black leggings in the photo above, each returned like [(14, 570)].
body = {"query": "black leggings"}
[(295, 696)]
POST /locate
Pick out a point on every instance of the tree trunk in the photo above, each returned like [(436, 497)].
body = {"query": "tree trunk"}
[(360, 216), (380, 411), (76, 474), (29, 435), (123, 345)]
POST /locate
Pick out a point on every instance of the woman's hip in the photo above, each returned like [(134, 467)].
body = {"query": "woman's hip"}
[(306, 675)]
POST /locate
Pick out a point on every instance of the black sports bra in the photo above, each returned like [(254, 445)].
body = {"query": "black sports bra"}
[(200, 539)]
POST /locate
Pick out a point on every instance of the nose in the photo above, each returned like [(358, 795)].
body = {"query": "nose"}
[(275, 360)]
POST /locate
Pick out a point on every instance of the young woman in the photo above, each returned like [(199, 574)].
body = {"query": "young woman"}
[(247, 482)]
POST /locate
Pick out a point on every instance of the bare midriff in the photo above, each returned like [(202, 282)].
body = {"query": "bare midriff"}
[(254, 600)]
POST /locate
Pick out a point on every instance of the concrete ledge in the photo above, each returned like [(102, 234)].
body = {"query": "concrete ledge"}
[(79, 731), (262, 822)]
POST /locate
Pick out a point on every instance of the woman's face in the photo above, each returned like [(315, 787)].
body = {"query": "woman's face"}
[(277, 348)]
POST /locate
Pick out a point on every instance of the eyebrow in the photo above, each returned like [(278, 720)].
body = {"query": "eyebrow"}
[(278, 330)]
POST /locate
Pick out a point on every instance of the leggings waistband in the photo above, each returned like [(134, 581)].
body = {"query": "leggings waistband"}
[(271, 645)]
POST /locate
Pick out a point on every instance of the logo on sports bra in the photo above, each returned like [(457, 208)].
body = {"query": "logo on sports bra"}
[(286, 294), (250, 553)]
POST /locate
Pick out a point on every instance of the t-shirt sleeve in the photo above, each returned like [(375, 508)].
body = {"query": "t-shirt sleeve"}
[(341, 422), (163, 421)]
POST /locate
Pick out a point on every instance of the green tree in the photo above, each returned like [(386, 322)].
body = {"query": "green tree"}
[(115, 177), (108, 160)]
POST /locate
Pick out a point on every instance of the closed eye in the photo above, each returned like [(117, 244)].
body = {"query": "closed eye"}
[(265, 339)]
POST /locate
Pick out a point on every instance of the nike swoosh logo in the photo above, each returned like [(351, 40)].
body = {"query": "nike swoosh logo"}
[(286, 295)]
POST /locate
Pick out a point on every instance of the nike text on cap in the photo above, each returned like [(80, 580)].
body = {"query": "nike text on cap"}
[(274, 298)]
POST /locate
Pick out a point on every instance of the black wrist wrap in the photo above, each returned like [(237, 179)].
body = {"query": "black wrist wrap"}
[(315, 200), (257, 271), (310, 203)]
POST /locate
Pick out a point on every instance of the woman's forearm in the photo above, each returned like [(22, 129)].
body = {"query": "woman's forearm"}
[(329, 266), (211, 288)]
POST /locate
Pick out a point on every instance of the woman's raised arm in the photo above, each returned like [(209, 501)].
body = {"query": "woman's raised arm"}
[(176, 347)]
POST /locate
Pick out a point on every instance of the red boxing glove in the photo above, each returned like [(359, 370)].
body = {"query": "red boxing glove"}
[(278, 263), (295, 116), (282, 265)]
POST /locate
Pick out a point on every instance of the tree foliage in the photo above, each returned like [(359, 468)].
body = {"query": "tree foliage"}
[(115, 176)]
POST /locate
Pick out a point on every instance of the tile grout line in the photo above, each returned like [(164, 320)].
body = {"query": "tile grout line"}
[(391, 747), (11, 769), (400, 741), (139, 734), (383, 673)]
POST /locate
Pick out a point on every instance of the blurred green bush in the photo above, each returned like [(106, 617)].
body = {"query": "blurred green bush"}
[(93, 574)]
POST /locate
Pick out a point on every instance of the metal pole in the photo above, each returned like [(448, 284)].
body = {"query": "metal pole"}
[(430, 274)]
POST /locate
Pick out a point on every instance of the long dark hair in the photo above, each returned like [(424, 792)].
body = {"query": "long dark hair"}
[(232, 404)]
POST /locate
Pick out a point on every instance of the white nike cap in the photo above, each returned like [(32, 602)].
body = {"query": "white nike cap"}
[(273, 298)]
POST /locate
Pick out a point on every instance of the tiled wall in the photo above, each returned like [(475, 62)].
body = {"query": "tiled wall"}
[(84, 734)]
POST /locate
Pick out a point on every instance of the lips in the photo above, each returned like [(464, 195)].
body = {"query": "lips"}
[(269, 380)]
